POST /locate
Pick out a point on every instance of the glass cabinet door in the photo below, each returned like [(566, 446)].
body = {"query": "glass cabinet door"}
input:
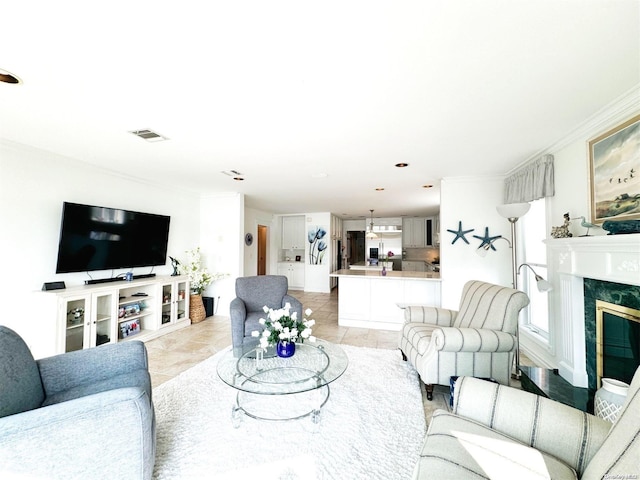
[(76, 324), (175, 302), (103, 321)]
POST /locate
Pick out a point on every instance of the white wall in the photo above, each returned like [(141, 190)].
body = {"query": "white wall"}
[(472, 201), (253, 218), (222, 243), (33, 186)]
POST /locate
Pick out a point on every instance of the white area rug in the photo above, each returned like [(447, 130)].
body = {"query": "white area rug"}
[(372, 427)]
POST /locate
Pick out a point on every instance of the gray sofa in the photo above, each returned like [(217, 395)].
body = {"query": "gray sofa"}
[(80, 415), (252, 294), (496, 431)]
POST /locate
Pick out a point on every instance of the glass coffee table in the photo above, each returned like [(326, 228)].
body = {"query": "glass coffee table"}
[(274, 388)]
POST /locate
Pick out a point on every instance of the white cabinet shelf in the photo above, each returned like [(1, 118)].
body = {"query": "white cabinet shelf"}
[(91, 315), (293, 236), (294, 271)]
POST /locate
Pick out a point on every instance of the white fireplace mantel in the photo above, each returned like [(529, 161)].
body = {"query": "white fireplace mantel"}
[(612, 258)]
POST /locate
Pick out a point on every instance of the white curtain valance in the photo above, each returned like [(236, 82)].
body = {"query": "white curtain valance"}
[(531, 182)]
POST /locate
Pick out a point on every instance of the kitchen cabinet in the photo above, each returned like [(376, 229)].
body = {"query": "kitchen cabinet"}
[(431, 231), (293, 235), (413, 266), (294, 271), (413, 232)]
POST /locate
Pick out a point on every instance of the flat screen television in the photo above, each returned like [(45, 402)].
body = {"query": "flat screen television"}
[(101, 238)]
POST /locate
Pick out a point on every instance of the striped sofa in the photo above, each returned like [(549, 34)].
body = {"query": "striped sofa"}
[(496, 431), (477, 340)]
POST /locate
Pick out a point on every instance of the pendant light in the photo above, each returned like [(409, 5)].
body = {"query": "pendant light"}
[(371, 234)]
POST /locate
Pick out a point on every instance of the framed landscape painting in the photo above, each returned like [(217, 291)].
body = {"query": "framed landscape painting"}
[(614, 160)]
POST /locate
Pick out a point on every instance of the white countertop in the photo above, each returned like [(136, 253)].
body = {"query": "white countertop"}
[(391, 275)]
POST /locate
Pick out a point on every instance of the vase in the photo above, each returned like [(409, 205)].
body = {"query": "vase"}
[(197, 313), (609, 399), (285, 349)]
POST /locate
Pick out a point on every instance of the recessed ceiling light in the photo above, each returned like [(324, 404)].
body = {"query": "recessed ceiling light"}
[(239, 179), (8, 77), (427, 186), (402, 165), (379, 189)]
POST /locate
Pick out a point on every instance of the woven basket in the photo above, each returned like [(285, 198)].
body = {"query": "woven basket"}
[(197, 313)]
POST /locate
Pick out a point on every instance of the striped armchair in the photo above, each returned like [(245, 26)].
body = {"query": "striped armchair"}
[(477, 340), (502, 432)]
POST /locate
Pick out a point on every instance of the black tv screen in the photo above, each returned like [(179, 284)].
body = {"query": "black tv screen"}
[(101, 238)]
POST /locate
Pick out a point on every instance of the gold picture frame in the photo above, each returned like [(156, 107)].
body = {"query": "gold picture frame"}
[(614, 163)]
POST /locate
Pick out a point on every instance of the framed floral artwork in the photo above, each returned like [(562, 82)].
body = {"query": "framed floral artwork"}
[(614, 162)]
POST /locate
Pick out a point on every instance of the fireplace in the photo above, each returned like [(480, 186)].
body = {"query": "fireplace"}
[(617, 341), (612, 330), (585, 270)]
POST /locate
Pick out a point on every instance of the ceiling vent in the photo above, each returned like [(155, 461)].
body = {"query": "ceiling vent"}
[(149, 135), (236, 175)]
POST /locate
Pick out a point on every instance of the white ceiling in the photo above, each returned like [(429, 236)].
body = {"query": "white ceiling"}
[(283, 91)]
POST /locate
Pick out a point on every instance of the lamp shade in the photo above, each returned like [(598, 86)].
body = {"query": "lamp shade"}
[(513, 210)]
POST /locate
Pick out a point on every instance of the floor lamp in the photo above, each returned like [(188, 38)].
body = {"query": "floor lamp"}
[(512, 212)]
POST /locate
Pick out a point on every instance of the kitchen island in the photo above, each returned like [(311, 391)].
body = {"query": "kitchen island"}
[(368, 299)]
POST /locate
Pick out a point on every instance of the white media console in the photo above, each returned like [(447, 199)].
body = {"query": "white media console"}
[(90, 315)]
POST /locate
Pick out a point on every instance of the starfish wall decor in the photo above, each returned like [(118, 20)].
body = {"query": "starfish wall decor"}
[(487, 239), (460, 233)]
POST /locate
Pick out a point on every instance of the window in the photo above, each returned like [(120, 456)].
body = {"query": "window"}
[(534, 253)]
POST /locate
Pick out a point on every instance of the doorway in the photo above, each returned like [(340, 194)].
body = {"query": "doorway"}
[(356, 245), (262, 250)]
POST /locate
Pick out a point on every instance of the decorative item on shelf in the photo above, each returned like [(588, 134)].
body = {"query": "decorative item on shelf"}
[(199, 279), (622, 227), (129, 328), (75, 316), (175, 263), (563, 230), (586, 225), (282, 327), (383, 272), (609, 399), (460, 233)]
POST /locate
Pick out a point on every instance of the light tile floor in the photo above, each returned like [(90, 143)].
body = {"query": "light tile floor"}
[(173, 353)]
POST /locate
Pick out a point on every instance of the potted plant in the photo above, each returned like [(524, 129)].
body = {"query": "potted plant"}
[(199, 280)]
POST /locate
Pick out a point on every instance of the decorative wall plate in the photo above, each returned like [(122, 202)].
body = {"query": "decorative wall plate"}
[(248, 239)]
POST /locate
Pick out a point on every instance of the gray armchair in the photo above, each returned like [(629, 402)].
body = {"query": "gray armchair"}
[(252, 294), (83, 414), (477, 340)]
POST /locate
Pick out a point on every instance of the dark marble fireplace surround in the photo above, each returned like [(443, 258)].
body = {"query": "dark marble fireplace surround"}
[(616, 293)]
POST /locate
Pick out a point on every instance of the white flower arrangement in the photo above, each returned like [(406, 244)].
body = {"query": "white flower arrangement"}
[(199, 277), (283, 326)]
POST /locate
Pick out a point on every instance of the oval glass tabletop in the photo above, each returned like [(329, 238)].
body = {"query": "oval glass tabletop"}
[(314, 365)]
